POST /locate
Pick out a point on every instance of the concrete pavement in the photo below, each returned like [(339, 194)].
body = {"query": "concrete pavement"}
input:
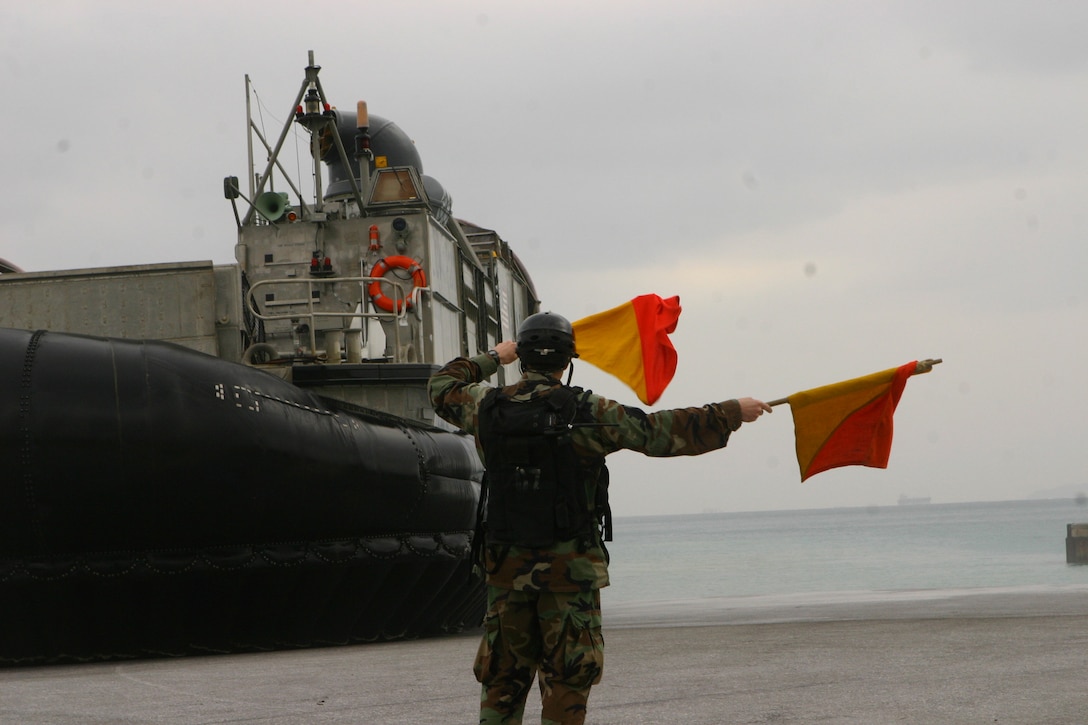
[(990, 657)]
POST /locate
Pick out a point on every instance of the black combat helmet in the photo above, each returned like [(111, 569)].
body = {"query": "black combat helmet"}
[(546, 342)]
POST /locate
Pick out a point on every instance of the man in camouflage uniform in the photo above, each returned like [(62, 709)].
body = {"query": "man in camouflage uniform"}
[(544, 612)]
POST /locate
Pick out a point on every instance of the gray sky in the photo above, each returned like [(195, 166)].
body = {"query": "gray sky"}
[(832, 188)]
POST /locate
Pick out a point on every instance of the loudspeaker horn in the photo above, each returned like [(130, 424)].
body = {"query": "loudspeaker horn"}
[(272, 204)]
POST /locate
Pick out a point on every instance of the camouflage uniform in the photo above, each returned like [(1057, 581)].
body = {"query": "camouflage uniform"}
[(544, 604)]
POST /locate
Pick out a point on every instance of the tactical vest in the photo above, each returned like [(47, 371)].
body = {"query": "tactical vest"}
[(535, 484)]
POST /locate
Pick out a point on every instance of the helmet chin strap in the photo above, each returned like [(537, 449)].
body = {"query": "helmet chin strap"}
[(570, 371)]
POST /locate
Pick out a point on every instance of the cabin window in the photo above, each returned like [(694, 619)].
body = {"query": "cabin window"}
[(471, 341), (468, 278), (394, 185)]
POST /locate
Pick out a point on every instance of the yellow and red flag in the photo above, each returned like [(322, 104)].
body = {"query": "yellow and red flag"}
[(848, 423), (632, 343)]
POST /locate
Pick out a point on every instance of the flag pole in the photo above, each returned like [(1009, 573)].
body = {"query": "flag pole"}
[(923, 366)]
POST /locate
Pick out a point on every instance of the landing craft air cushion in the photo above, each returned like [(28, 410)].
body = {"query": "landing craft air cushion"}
[(219, 458)]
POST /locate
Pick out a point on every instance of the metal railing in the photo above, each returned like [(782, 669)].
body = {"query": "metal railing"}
[(411, 306)]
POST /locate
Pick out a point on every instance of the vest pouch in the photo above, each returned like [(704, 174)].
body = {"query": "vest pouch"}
[(522, 495)]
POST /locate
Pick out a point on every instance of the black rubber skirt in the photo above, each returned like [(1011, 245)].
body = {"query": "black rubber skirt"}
[(155, 500)]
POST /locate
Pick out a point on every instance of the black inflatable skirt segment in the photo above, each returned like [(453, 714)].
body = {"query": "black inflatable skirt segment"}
[(160, 501)]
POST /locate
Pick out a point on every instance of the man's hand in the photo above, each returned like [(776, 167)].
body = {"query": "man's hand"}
[(750, 409), (508, 351)]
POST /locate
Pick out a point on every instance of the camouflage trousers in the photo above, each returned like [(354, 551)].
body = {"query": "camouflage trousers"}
[(555, 634)]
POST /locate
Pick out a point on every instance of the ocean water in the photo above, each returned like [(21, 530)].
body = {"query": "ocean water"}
[(848, 553)]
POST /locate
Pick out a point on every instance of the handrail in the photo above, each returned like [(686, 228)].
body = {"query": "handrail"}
[(412, 300)]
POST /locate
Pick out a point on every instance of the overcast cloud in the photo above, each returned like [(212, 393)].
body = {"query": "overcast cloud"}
[(832, 188)]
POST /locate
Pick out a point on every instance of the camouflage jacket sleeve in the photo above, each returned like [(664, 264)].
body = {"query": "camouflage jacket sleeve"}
[(676, 432), (457, 390)]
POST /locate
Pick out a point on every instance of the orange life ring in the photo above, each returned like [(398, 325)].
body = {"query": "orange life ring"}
[(380, 300)]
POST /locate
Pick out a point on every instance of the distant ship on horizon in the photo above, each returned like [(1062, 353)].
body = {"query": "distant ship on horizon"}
[(905, 500)]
